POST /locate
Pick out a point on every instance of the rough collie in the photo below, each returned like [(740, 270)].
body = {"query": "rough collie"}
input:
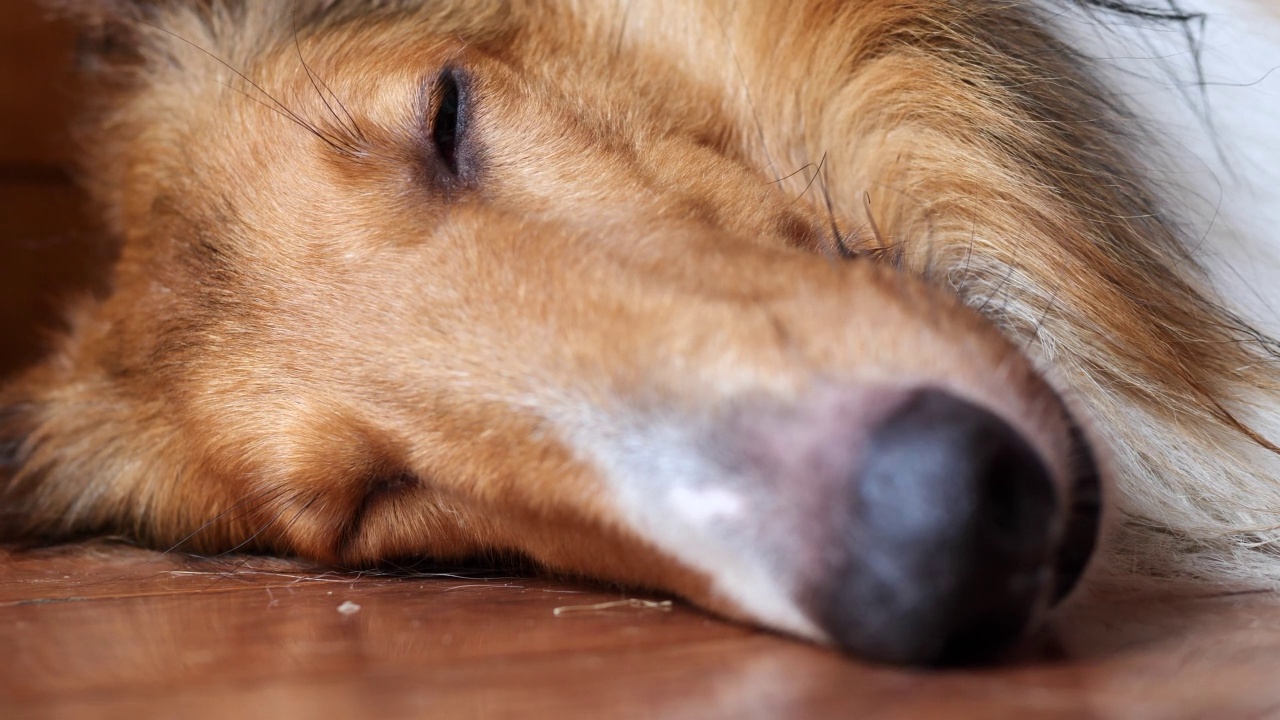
[(864, 321)]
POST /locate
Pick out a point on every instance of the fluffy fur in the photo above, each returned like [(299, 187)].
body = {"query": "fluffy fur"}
[(682, 216)]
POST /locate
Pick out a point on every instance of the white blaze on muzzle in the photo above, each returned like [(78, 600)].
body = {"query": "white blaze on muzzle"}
[(902, 525)]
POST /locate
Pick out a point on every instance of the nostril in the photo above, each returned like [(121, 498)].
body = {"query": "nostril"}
[(949, 536)]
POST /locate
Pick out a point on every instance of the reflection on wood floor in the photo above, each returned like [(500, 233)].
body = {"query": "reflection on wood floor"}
[(112, 631)]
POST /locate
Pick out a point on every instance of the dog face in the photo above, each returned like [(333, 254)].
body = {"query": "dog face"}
[(456, 280)]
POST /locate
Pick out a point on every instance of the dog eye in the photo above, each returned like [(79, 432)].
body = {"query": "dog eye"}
[(449, 121)]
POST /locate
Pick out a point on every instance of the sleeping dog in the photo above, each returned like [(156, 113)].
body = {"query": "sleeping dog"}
[(864, 321)]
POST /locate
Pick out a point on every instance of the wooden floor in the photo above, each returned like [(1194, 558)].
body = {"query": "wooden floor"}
[(108, 631), (105, 631)]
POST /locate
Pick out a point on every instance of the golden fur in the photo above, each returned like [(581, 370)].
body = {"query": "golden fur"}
[(312, 348)]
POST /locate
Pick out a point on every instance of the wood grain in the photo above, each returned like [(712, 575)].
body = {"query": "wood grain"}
[(109, 631)]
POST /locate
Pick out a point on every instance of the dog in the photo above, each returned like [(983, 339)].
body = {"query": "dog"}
[(867, 322)]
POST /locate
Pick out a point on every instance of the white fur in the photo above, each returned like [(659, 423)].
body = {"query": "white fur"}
[(668, 491), (1220, 154), (704, 505), (1215, 152)]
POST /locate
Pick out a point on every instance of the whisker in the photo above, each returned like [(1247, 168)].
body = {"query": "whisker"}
[(746, 92), (261, 497), (1035, 333), (349, 124), (809, 184), (268, 524), (996, 291), (871, 219), (841, 242), (289, 117), (792, 174), (280, 107)]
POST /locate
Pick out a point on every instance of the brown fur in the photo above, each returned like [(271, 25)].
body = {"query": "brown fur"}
[(313, 348)]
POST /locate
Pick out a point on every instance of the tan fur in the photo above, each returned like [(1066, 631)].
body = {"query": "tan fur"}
[(310, 350)]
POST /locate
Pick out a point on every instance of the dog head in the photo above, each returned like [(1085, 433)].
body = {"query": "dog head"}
[(446, 279)]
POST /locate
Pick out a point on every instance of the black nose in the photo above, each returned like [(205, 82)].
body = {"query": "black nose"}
[(949, 540)]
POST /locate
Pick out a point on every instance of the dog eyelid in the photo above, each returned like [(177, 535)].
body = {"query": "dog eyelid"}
[(448, 152)]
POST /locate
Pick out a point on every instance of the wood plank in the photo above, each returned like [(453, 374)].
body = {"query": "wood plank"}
[(105, 631)]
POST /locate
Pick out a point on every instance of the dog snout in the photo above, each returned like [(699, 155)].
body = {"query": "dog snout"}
[(946, 536)]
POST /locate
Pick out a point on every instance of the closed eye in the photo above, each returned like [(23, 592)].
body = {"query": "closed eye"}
[(446, 125), (450, 153)]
